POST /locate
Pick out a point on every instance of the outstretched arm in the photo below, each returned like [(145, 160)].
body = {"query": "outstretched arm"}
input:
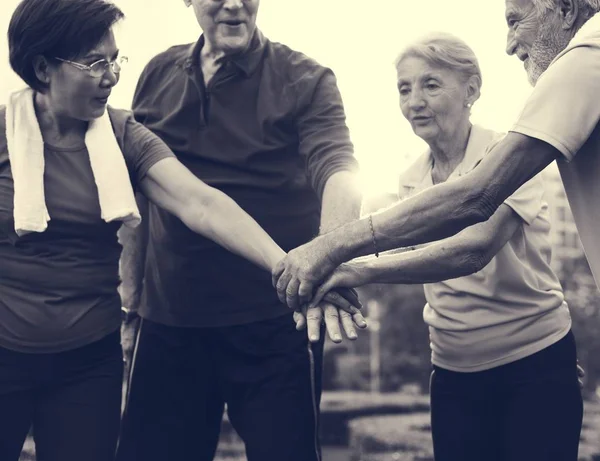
[(463, 254), (209, 212), (436, 213)]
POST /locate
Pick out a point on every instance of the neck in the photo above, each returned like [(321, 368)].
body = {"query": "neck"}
[(210, 61), (449, 151), (54, 125), (209, 53)]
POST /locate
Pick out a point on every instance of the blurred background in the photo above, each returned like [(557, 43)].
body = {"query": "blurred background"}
[(375, 402)]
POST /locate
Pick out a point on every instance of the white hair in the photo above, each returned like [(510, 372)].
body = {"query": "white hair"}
[(544, 5)]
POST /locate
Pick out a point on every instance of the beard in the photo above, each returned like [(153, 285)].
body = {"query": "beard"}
[(551, 40)]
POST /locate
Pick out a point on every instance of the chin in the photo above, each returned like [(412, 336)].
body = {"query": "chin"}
[(425, 133), (234, 44), (94, 113)]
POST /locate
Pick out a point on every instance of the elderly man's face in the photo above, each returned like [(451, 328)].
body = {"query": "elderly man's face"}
[(228, 25), (535, 37)]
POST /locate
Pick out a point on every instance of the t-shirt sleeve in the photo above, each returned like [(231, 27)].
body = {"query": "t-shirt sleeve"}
[(324, 138), (564, 107), (528, 200), (142, 149)]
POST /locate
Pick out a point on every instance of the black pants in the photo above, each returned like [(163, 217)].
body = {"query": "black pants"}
[(527, 410), (266, 372), (72, 399)]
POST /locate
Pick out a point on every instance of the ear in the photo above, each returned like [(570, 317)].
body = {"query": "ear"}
[(473, 89), (41, 67), (569, 13)]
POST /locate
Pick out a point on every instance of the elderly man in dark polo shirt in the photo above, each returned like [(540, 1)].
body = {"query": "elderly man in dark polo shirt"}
[(266, 125)]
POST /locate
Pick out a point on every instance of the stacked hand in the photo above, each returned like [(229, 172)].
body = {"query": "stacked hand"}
[(300, 271), (333, 310), (298, 274)]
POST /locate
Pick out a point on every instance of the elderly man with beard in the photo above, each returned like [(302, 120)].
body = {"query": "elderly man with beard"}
[(559, 43)]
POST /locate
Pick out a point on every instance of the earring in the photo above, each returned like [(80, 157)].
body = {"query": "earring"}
[(468, 105)]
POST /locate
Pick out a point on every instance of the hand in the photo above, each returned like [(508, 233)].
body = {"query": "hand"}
[(344, 298), (130, 322), (300, 270), (312, 319), (346, 275)]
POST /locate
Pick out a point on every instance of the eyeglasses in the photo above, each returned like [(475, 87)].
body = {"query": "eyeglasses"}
[(99, 68)]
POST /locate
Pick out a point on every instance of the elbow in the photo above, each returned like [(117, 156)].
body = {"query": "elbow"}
[(196, 210), (473, 261), (478, 206)]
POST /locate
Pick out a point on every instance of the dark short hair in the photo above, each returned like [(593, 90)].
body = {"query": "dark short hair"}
[(56, 28)]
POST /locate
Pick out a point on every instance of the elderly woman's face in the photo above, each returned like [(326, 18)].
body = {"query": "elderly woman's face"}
[(432, 98), (73, 92)]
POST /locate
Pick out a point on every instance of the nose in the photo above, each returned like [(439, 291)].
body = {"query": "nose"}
[(110, 78), (233, 4), (416, 100), (511, 43)]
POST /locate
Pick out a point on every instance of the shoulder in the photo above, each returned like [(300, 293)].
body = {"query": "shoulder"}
[(170, 56), (485, 138), (297, 66), (119, 119), (167, 60), (414, 175)]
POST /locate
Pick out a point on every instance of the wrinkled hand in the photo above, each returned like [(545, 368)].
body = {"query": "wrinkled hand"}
[(312, 319), (296, 275), (345, 299), (343, 277)]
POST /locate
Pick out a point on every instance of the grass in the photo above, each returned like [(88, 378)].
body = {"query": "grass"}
[(403, 436)]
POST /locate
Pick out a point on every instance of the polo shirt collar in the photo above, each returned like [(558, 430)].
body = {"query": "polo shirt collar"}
[(419, 173), (247, 61)]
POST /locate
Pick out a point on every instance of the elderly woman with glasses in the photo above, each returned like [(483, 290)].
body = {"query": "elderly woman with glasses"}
[(504, 384), (69, 168)]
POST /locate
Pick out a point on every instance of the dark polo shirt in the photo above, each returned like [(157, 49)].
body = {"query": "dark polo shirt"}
[(268, 130)]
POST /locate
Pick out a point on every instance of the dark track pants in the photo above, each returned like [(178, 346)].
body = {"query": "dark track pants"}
[(527, 410), (266, 372), (72, 399)]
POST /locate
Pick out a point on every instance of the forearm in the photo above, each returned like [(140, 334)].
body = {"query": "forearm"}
[(220, 219), (133, 258), (445, 209), (435, 263), (341, 201)]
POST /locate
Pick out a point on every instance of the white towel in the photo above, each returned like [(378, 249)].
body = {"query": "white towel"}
[(26, 155)]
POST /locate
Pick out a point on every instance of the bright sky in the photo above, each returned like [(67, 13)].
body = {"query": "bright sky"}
[(359, 41)]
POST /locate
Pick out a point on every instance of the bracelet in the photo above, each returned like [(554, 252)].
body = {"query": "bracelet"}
[(373, 235)]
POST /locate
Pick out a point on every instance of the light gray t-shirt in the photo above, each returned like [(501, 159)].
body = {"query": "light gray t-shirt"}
[(564, 111), (513, 307)]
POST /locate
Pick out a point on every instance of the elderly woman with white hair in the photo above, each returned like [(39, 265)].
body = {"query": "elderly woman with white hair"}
[(504, 384)]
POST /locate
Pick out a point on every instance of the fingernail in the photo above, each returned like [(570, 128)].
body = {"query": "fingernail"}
[(337, 337), (313, 338)]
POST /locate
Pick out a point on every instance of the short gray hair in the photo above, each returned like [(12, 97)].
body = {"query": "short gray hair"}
[(545, 5), (447, 51)]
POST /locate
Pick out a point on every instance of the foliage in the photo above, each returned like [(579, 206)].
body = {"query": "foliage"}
[(339, 408), (583, 299), (399, 437), (404, 339)]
